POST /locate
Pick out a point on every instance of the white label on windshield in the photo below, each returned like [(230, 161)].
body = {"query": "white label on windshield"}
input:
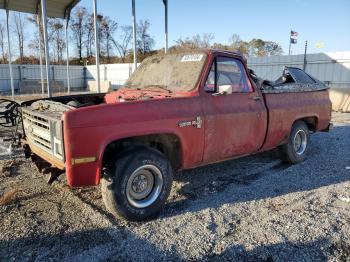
[(192, 58)]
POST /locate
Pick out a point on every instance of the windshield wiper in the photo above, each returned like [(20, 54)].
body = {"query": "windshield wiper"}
[(159, 86)]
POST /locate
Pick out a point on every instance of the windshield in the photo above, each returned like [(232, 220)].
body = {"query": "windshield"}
[(173, 72)]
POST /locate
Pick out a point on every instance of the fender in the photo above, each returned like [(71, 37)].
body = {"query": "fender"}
[(139, 133), (88, 131)]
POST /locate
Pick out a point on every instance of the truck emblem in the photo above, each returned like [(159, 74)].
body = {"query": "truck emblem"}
[(197, 123)]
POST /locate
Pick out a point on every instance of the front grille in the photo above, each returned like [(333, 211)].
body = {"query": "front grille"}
[(44, 132)]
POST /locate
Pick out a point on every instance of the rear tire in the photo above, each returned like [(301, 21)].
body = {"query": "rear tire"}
[(138, 184), (295, 151)]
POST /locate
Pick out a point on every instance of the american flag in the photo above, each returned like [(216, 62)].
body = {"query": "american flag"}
[(293, 37)]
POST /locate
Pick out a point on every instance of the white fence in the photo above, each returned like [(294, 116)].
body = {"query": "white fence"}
[(32, 72)]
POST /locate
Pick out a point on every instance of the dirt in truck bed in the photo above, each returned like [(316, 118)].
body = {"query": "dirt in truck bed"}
[(254, 208)]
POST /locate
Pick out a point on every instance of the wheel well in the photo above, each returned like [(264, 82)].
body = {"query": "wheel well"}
[(168, 144), (311, 122)]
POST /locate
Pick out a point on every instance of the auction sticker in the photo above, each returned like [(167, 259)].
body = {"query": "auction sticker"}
[(192, 58)]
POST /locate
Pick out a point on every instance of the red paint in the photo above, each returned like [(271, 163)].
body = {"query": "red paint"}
[(233, 125)]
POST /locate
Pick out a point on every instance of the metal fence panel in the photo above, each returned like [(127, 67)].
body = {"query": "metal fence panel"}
[(32, 72)]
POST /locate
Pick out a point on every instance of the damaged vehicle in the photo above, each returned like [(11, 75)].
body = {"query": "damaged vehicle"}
[(177, 111)]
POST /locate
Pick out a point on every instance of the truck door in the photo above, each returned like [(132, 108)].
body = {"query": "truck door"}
[(235, 122)]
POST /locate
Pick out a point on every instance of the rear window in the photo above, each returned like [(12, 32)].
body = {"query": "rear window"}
[(300, 76)]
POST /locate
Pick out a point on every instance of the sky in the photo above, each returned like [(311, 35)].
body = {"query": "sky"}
[(326, 21)]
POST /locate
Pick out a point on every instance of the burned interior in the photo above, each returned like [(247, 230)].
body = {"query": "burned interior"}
[(293, 79)]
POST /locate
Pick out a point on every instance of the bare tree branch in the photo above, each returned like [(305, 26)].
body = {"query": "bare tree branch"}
[(19, 27)]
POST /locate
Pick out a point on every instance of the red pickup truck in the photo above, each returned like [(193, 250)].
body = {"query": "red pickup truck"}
[(177, 111)]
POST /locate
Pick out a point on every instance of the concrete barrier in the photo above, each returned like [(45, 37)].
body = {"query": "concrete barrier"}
[(340, 98), (104, 85)]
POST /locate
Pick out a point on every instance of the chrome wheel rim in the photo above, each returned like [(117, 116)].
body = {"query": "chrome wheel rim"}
[(300, 142), (144, 186)]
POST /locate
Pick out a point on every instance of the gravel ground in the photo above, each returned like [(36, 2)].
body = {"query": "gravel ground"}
[(254, 208)]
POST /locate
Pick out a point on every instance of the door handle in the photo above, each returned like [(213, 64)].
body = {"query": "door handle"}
[(255, 98)]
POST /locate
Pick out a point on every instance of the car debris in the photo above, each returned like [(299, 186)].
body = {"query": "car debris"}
[(344, 199), (9, 196)]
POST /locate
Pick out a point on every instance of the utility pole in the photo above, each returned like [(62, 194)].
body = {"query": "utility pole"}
[(304, 66), (134, 33), (290, 42), (165, 2), (97, 48)]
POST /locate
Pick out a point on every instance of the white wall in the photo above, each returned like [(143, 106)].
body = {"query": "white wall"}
[(116, 73)]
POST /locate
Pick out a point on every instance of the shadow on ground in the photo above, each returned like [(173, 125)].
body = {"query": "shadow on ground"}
[(244, 180), (318, 250), (89, 245)]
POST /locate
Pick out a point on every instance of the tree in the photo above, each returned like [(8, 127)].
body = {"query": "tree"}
[(197, 41), (2, 43), (203, 41), (108, 27), (122, 45), (78, 25), (259, 47), (273, 48), (19, 31), (56, 36), (235, 41), (221, 46), (38, 38), (237, 44), (144, 41), (89, 27)]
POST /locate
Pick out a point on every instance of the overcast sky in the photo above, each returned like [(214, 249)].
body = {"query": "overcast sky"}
[(326, 21)]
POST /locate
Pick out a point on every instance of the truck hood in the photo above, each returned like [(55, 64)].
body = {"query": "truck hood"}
[(127, 94)]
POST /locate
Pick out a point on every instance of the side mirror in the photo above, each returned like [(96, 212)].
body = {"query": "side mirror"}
[(223, 90)]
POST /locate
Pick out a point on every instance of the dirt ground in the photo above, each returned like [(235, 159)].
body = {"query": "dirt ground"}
[(252, 209)]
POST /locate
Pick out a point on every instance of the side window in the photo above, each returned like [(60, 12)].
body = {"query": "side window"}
[(210, 83), (228, 71)]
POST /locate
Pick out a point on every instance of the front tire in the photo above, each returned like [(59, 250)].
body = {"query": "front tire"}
[(138, 184), (295, 150)]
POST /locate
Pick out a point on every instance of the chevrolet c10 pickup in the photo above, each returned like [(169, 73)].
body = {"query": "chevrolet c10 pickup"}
[(177, 111)]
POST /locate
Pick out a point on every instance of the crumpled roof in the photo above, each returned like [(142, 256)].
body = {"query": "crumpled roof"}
[(294, 87)]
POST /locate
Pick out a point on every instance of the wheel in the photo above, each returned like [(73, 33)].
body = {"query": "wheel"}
[(138, 184), (296, 149)]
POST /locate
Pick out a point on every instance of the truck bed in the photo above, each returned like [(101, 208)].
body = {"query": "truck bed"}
[(284, 107)]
